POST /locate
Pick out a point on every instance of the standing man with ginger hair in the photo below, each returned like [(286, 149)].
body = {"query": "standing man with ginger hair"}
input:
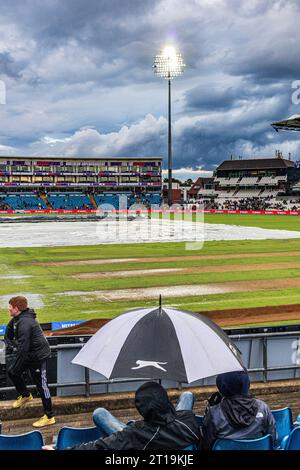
[(25, 335)]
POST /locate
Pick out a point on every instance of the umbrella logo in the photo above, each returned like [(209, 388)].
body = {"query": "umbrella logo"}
[(141, 364)]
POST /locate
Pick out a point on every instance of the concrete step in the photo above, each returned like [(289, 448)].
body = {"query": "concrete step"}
[(77, 411), (50, 433)]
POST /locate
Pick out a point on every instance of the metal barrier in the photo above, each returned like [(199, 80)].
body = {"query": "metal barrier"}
[(267, 356)]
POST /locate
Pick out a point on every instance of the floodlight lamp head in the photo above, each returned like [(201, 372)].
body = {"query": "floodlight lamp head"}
[(170, 52), (169, 63)]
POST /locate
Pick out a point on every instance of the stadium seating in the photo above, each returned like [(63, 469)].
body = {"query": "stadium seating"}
[(191, 447), (248, 181), (113, 199), (293, 440), (69, 201), (226, 193), (69, 437), (23, 201), (284, 423), (267, 180), (30, 441), (262, 443), (269, 193), (245, 193), (153, 198)]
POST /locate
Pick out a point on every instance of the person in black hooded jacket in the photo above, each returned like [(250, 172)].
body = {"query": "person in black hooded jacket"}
[(163, 427), (232, 413), (25, 338)]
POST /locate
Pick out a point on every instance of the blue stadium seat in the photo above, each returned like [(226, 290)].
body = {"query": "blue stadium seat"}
[(69, 437), (293, 440), (284, 424), (24, 201), (69, 201), (111, 199), (191, 447), (262, 443), (154, 198), (30, 441)]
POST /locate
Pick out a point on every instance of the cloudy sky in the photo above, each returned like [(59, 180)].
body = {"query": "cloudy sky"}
[(79, 80)]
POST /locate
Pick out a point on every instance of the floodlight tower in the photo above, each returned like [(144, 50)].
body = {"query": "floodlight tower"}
[(169, 64)]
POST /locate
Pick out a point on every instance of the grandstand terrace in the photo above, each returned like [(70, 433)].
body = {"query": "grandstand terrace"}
[(262, 183), (36, 183), (248, 178)]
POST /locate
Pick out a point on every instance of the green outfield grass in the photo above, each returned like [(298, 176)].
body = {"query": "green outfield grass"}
[(281, 222), (51, 280)]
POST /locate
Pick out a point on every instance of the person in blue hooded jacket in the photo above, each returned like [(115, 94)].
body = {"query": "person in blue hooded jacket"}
[(232, 412)]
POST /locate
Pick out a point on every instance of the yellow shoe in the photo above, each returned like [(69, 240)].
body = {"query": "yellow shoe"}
[(21, 401), (44, 421)]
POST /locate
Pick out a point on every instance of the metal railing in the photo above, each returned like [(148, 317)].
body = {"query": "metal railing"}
[(264, 337), (87, 383)]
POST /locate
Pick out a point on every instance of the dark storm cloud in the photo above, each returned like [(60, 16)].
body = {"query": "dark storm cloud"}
[(103, 32), (87, 87), (59, 20), (213, 97), (273, 63)]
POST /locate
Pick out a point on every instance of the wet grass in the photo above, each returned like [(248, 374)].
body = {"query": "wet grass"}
[(49, 281)]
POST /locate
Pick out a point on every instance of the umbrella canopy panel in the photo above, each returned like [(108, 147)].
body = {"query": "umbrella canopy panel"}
[(160, 343), (151, 350)]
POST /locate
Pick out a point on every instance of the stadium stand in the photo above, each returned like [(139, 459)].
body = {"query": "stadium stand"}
[(28, 183), (16, 201), (250, 184), (69, 201)]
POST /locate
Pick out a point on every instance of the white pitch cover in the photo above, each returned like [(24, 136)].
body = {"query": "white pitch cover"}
[(203, 351), (101, 351)]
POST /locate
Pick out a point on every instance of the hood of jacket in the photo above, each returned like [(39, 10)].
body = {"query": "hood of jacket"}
[(29, 312), (152, 402), (240, 411), (233, 383), (238, 406)]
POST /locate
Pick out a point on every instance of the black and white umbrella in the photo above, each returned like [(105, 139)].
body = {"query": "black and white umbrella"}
[(160, 343)]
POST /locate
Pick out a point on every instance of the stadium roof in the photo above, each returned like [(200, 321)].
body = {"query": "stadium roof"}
[(66, 158), (290, 124), (255, 164)]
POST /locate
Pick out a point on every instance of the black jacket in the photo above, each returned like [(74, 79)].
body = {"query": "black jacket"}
[(161, 428), (25, 336)]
